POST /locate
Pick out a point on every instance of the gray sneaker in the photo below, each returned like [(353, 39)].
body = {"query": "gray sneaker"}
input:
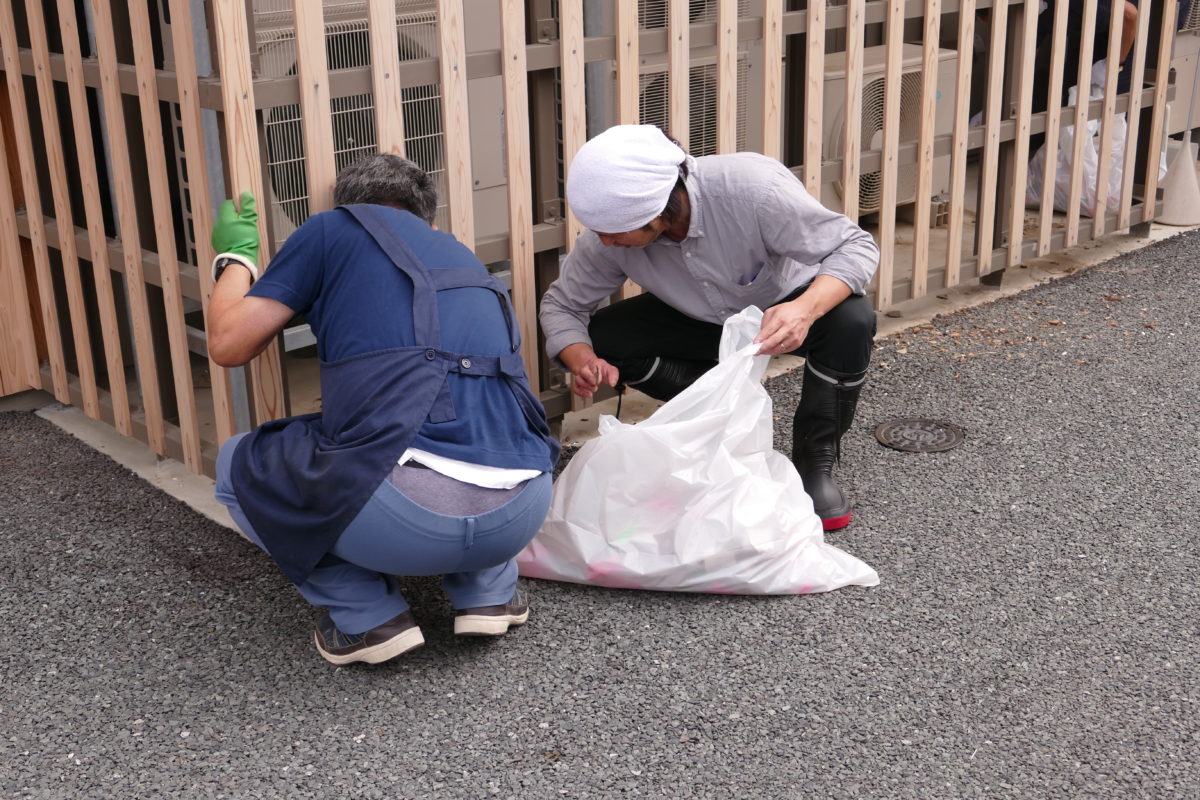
[(394, 637), (492, 620)]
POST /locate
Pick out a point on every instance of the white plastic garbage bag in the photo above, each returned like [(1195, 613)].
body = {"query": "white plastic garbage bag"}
[(693, 498)]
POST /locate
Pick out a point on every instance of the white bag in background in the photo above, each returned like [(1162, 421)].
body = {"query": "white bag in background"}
[(694, 498)]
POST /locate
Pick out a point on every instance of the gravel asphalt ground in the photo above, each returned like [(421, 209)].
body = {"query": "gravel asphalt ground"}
[(1034, 634)]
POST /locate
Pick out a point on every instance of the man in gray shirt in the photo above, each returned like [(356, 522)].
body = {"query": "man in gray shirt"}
[(707, 237)]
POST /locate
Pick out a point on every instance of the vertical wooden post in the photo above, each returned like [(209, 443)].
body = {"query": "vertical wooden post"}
[(1082, 95), (33, 204), (164, 232), (453, 65), (18, 350), (1058, 55), (852, 128), (64, 220), (929, 76), (1107, 114), (727, 19), (313, 72), (385, 76), (245, 174), (814, 85), (1134, 117), (679, 70), (574, 114), (1162, 77), (131, 239), (958, 152), (1025, 78), (186, 76), (520, 197), (97, 238), (893, 53), (627, 62), (985, 218)]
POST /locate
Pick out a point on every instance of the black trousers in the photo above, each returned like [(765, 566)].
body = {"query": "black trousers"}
[(644, 326)]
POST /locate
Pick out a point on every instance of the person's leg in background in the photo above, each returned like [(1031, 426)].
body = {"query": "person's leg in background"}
[(658, 350), (366, 617), (837, 353)]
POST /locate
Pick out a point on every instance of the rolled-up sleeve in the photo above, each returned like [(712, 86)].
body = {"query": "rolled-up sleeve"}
[(585, 280), (795, 225)]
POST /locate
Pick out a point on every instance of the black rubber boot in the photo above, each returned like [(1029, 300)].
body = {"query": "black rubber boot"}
[(826, 410), (659, 377)]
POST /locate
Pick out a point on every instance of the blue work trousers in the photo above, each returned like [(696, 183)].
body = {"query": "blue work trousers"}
[(393, 536)]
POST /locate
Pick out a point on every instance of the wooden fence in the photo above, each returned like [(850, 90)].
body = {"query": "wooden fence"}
[(124, 126)]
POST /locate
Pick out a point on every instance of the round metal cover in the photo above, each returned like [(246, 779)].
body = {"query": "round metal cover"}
[(919, 435)]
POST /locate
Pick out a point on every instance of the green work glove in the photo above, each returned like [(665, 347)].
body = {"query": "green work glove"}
[(235, 233)]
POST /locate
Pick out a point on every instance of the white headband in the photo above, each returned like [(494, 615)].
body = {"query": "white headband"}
[(622, 179)]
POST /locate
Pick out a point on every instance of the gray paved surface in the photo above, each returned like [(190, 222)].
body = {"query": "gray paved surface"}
[(1034, 634)]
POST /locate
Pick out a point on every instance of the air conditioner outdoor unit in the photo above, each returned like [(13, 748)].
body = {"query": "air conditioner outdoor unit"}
[(870, 183)]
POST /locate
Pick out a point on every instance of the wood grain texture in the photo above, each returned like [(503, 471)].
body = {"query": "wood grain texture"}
[(958, 147), (131, 238), (457, 121), (385, 76), (772, 79), (893, 56), (244, 173), (1134, 117), (56, 165), (1079, 124), (164, 234), (18, 348), (574, 112), (985, 219), (520, 197), (1158, 118), (312, 71), (924, 192), (1058, 55), (1024, 98), (727, 20), (852, 127), (678, 71), (89, 184), (1108, 110), (191, 121), (814, 88)]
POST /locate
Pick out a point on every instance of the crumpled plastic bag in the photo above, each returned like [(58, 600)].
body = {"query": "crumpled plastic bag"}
[(694, 498)]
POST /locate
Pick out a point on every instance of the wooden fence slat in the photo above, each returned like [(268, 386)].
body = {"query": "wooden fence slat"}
[(1134, 117), (893, 56), (385, 76), (18, 349), (94, 215), (814, 86), (131, 241), (1082, 95), (244, 173), (678, 71), (520, 197), (727, 21), (164, 234), (457, 121), (958, 148), (627, 62), (1025, 78), (313, 72), (1058, 56), (985, 218), (574, 114), (852, 128), (59, 191), (33, 204), (924, 196), (1107, 115), (1158, 119), (184, 47)]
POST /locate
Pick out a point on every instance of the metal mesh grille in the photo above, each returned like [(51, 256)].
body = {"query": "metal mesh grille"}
[(654, 97), (1192, 23), (353, 118)]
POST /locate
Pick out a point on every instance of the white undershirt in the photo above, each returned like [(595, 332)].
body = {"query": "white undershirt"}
[(476, 474)]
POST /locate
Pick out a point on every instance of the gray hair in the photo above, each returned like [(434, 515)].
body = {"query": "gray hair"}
[(386, 179)]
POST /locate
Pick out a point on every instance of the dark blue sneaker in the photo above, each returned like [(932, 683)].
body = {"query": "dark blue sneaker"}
[(393, 638)]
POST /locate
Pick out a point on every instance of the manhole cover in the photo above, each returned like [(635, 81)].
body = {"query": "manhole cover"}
[(919, 435)]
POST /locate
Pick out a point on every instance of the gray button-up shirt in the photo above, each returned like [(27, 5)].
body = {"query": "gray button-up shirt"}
[(755, 235)]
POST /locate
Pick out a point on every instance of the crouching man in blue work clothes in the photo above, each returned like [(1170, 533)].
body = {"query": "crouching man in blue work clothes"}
[(431, 455), (707, 237)]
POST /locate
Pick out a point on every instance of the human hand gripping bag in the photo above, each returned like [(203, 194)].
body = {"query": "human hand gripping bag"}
[(693, 499)]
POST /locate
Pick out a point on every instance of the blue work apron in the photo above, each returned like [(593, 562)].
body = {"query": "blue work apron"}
[(301, 480)]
